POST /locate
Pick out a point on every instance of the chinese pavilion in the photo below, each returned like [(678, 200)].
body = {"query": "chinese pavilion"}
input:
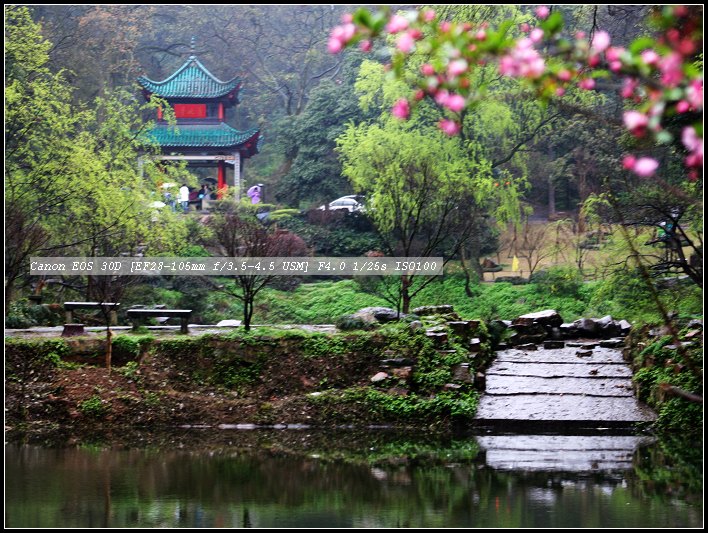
[(200, 101)]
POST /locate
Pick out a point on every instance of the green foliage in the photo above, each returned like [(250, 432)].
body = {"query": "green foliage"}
[(24, 356), (25, 314), (131, 345), (559, 281), (129, 370), (94, 407)]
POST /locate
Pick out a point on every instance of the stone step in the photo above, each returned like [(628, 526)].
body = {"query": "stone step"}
[(565, 355), (558, 407), (549, 370), (561, 452), (498, 385)]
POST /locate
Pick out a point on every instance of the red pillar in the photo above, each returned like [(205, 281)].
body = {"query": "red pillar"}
[(221, 180)]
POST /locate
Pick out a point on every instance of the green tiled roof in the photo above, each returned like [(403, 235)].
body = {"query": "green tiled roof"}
[(203, 136), (191, 80)]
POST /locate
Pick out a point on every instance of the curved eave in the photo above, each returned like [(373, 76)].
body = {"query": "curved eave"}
[(174, 87), (197, 137)]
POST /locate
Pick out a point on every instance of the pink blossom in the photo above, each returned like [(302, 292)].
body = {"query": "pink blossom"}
[(445, 26), (628, 162), (564, 75), (695, 94), (405, 42), (671, 68), (587, 83), (347, 18), (600, 42), (481, 35), (536, 35), (615, 66), (542, 12), (523, 61), (580, 35), (427, 69), (401, 109), (691, 140), (524, 27), (397, 24), (630, 85), (613, 53), (635, 122), (645, 167), (449, 127), (560, 91), (455, 103), (682, 106), (365, 45), (441, 97), (650, 57), (419, 94), (415, 33), (334, 45), (429, 15), (457, 67), (594, 60), (686, 47)]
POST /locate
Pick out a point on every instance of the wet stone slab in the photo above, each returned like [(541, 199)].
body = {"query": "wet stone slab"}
[(562, 407), (564, 355), (561, 452), (499, 385), (554, 370)]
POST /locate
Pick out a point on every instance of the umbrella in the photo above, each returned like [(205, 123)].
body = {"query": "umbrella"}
[(157, 204), (209, 180)]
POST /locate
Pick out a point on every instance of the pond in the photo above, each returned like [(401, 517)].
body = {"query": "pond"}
[(303, 478)]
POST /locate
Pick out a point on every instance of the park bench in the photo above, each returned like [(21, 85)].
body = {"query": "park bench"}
[(136, 316), (69, 308)]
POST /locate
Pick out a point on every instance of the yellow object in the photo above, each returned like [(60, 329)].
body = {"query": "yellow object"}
[(515, 264)]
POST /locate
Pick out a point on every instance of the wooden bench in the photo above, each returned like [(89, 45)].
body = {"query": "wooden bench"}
[(137, 314), (112, 308)]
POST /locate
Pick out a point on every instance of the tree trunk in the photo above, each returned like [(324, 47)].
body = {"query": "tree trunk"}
[(405, 295)]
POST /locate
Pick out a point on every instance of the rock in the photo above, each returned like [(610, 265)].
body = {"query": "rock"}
[(525, 334), (586, 327), (475, 345), (397, 391), (428, 310), (379, 377), (659, 332), (584, 345), (568, 330), (228, 323), (553, 345), (583, 353), (625, 327), (438, 337), (372, 315), (502, 346), (548, 317), (402, 373), (415, 325), (608, 326), (695, 323), (694, 333), (451, 386), (460, 328), (556, 333), (528, 347), (398, 362), (461, 372), (481, 380), (612, 343)]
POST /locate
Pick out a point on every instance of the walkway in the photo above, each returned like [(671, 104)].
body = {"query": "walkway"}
[(580, 385)]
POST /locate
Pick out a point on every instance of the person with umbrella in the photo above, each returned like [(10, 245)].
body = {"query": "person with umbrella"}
[(254, 193)]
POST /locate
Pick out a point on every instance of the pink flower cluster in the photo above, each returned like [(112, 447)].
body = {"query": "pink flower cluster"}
[(644, 166), (523, 61), (341, 36)]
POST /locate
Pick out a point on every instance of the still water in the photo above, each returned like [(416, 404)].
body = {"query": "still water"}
[(308, 479)]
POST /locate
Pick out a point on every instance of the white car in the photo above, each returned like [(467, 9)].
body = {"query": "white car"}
[(351, 203)]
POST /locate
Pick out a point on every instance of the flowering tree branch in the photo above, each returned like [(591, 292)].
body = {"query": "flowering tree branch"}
[(661, 77)]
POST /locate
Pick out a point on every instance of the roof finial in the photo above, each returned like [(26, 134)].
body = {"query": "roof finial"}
[(193, 47)]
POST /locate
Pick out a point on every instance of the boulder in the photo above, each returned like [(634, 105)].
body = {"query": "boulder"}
[(398, 362), (583, 353), (428, 310), (612, 343), (608, 327), (461, 373), (475, 345), (528, 347), (402, 373), (548, 317), (461, 328), (376, 378), (625, 327), (228, 323)]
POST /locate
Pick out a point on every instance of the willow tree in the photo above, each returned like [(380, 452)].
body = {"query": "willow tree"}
[(424, 194)]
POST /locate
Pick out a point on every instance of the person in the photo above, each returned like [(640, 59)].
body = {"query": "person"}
[(184, 197), (254, 193), (203, 196)]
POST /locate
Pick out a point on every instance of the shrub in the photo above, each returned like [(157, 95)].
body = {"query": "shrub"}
[(558, 281)]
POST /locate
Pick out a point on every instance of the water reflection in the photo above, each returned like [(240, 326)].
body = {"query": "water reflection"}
[(265, 480)]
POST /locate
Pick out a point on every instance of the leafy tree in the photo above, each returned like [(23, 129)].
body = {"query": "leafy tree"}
[(237, 233), (422, 192)]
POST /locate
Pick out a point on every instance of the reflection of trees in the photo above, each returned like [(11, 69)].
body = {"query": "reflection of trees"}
[(256, 481)]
